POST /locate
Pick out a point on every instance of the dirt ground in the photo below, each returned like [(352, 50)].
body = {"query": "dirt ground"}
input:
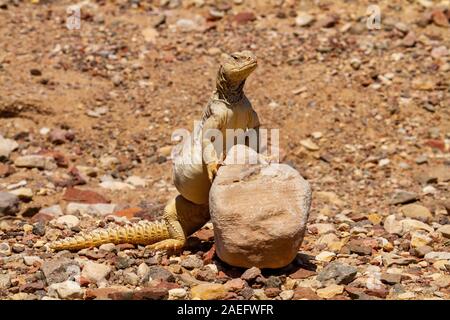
[(363, 114)]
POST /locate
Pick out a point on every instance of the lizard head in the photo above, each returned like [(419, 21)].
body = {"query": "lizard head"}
[(236, 67)]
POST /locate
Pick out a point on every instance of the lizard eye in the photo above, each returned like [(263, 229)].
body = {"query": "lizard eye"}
[(235, 57)]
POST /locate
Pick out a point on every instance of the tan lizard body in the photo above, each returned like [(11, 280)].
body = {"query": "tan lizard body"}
[(229, 108)]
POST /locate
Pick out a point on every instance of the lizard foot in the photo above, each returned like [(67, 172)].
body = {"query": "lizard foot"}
[(212, 169), (167, 245)]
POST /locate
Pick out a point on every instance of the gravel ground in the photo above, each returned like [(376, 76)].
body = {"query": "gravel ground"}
[(86, 118)]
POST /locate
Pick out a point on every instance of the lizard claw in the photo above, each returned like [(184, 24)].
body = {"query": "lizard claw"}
[(212, 170)]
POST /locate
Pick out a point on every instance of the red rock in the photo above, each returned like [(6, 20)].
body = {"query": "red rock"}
[(204, 234), (341, 297), (5, 170), (437, 144), (150, 294), (57, 136), (77, 178), (83, 196), (305, 293), (93, 255), (251, 274), (244, 17), (357, 216), (231, 296), (208, 256), (121, 295), (354, 292), (169, 58), (380, 293), (162, 284), (410, 40), (42, 217), (60, 158), (302, 274), (84, 282), (235, 284), (128, 213), (31, 287), (358, 246), (439, 18), (103, 293), (222, 275)]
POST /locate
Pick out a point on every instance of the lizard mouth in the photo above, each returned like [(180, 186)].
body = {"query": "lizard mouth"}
[(249, 66)]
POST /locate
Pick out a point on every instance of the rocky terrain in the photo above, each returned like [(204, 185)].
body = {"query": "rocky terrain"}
[(87, 115)]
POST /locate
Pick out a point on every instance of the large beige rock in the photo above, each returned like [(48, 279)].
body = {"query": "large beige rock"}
[(259, 212)]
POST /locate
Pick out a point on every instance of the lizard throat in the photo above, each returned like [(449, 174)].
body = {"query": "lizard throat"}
[(227, 91)]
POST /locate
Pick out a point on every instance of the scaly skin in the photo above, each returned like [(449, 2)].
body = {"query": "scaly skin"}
[(229, 108), (139, 233), (181, 219)]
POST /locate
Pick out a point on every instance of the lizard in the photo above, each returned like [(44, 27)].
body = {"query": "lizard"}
[(187, 212)]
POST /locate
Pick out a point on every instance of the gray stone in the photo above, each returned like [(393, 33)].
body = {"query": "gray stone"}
[(5, 249), (131, 278), (177, 293), (391, 225), (30, 260), (109, 247), (159, 273), (122, 262), (60, 270), (98, 209), (192, 262), (116, 185), (18, 248), (338, 273), (55, 211), (434, 255), (143, 270), (9, 203), (403, 197), (66, 290), (68, 220), (273, 282), (39, 229)]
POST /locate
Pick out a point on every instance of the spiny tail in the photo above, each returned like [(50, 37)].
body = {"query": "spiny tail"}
[(143, 232)]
